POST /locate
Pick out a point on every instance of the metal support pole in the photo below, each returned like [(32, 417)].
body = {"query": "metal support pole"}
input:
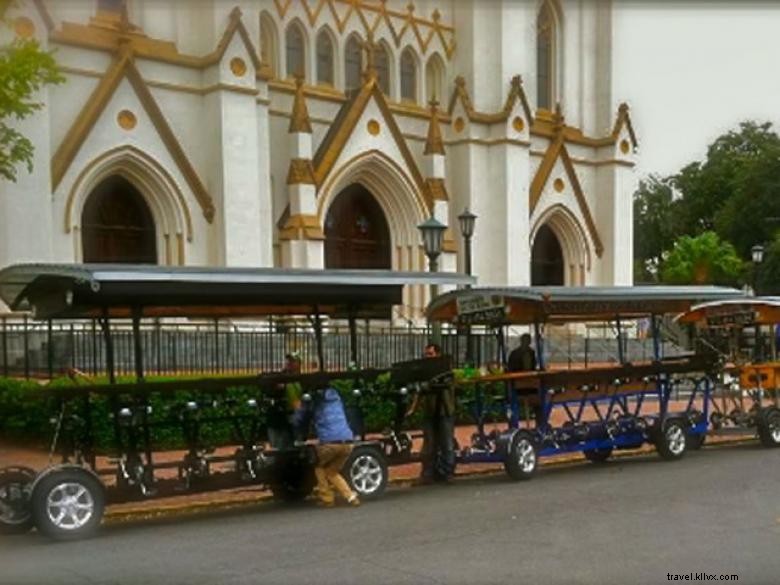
[(318, 337), (5, 347), (138, 345), (433, 266), (105, 324), (655, 329), (621, 356), (539, 346), (49, 350), (26, 348), (353, 349)]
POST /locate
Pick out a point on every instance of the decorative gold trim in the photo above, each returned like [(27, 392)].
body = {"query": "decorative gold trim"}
[(238, 66), (559, 185), (343, 126), (24, 27), (436, 189), (302, 227), (488, 142), (39, 6), (301, 172), (106, 37), (516, 94), (126, 120), (624, 119), (558, 150), (398, 23), (434, 143), (299, 119), (123, 67), (373, 127)]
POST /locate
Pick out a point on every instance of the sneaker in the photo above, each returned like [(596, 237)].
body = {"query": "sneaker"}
[(353, 500)]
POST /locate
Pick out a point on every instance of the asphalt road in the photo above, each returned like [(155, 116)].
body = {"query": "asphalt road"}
[(629, 521)]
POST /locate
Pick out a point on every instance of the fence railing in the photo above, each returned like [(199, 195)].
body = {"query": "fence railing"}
[(42, 349)]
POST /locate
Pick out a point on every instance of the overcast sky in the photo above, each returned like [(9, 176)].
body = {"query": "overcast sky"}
[(692, 70)]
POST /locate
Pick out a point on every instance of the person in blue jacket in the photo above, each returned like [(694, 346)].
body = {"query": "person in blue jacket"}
[(334, 448)]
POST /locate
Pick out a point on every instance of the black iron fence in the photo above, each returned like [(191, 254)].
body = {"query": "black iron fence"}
[(45, 349)]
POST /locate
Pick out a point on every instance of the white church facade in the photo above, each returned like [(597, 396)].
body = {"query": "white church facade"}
[(320, 133)]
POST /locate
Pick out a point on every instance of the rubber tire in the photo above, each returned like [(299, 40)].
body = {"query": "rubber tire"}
[(294, 481), (43, 488), (511, 463), (24, 476), (769, 418), (662, 443), (598, 455), (375, 454)]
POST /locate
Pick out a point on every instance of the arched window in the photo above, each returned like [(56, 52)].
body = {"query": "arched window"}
[(382, 65), (434, 78), (324, 58), (111, 5), (295, 51), (408, 76), (353, 62), (545, 56), (117, 225), (268, 43)]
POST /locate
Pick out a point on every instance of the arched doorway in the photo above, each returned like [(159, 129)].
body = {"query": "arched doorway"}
[(547, 267), (117, 225), (356, 231)]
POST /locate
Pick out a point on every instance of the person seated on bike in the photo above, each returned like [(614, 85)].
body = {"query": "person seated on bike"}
[(334, 447), (437, 403), (523, 359)]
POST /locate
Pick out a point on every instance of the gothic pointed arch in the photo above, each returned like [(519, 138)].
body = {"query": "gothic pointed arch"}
[(161, 194), (269, 43), (434, 78), (409, 80), (353, 62), (326, 57), (295, 50), (383, 56), (560, 250)]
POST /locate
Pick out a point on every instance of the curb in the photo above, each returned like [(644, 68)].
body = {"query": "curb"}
[(217, 504)]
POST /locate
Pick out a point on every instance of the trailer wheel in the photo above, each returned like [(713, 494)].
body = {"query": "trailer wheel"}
[(15, 486), (366, 471), (521, 458), (769, 428), (68, 504), (598, 455), (672, 440)]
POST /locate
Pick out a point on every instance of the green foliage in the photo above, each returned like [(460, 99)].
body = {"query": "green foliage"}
[(734, 192), (702, 259), (24, 70)]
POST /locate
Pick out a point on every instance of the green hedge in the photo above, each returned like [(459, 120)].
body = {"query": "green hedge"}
[(27, 418)]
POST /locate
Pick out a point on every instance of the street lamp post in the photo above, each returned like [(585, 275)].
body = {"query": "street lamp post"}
[(432, 232), (757, 254), (467, 222)]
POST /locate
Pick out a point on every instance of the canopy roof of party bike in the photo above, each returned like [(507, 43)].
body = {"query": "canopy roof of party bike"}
[(735, 312), (559, 304), (61, 291)]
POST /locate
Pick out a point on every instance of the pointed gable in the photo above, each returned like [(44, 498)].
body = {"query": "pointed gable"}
[(124, 68)]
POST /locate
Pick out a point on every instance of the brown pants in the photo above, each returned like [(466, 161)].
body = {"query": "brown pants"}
[(331, 457)]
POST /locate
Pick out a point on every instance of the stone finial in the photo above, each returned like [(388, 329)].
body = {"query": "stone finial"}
[(434, 144), (299, 121)]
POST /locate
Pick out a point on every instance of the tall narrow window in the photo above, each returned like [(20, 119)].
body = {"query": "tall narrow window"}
[(268, 44), (324, 59), (434, 78), (408, 76), (295, 51), (545, 57), (382, 65), (111, 5), (353, 63)]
